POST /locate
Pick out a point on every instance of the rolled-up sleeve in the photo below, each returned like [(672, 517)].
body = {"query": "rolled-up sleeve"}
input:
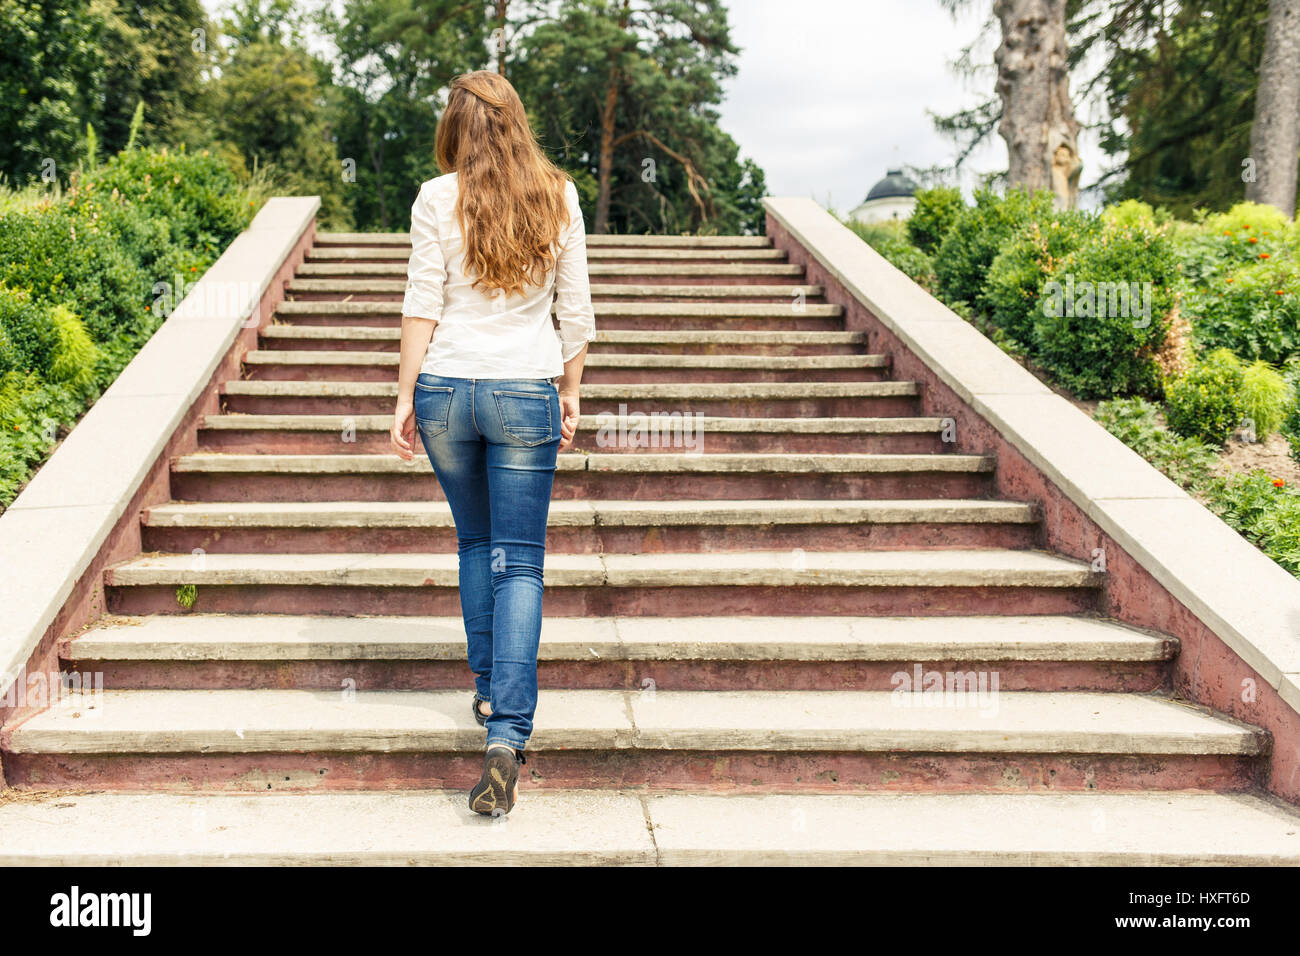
[(427, 271), (573, 311)]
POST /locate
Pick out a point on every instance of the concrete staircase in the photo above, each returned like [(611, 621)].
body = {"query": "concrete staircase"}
[(728, 608)]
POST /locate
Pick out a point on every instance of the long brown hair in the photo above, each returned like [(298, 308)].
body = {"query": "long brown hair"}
[(511, 206)]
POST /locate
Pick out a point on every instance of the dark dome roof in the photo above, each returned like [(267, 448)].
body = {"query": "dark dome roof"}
[(894, 184)]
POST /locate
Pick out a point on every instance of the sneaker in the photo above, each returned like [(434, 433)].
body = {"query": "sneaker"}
[(495, 792)]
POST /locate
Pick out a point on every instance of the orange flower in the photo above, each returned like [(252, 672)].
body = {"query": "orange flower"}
[(1253, 239), (1279, 483), (1227, 280), (1263, 255)]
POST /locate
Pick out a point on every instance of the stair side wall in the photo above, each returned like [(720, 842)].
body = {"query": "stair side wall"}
[(1207, 670)]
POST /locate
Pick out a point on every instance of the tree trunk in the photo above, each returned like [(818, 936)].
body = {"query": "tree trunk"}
[(1270, 170), (604, 171), (1038, 121), (500, 33), (600, 222)]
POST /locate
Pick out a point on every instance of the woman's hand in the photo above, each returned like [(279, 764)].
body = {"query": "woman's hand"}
[(568, 418), (402, 436)]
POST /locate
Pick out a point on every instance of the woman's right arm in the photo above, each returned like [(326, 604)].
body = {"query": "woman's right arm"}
[(573, 310), (421, 310)]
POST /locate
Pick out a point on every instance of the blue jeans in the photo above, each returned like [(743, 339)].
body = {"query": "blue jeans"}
[(492, 444)]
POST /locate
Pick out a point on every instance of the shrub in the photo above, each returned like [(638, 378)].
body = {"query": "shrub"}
[(1224, 242), (1016, 277), (1136, 422), (1265, 398), (1105, 312), (31, 412), (60, 259), (936, 210), (1132, 214), (29, 338), (77, 274), (1262, 510), (76, 355), (1254, 311), (1206, 403), (890, 240), (976, 237)]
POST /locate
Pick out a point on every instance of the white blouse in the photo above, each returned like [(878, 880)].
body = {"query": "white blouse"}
[(494, 336)]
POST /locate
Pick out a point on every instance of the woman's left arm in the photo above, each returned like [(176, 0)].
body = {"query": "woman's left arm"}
[(421, 310)]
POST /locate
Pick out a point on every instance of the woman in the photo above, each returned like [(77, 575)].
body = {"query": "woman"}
[(492, 387)]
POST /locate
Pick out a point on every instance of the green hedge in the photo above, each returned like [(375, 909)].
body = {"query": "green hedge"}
[(1013, 289), (977, 236), (78, 272), (1112, 297)]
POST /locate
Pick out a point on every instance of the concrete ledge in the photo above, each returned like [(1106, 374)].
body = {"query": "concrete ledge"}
[(61, 522), (1243, 597)]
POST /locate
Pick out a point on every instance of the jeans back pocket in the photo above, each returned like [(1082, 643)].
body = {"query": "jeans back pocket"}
[(432, 405), (525, 416)]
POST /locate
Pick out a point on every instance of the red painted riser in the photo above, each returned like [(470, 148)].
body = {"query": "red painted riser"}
[(591, 376), (1119, 677), (597, 297), (642, 257), (259, 441), (734, 771), (625, 348), (364, 271), (609, 540), (192, 486), (868, 407), (605, 602), (794, 322)]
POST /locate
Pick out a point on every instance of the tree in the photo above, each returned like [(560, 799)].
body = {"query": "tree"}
[(151, 53), (269, 104), (1275, 134), (395, 59), (48, 67), (1037, 119), (623, 93)]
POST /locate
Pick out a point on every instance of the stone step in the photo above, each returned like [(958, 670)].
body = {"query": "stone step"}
[(675, 653), (326, 739), (728, 399), (594, 253), (596, 527), (602, 368), (323, 434), (628, 828), (625, 475), (747, 272), (956, 581), (656, 341), (595, 240), (351, 288), (656, 640)]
